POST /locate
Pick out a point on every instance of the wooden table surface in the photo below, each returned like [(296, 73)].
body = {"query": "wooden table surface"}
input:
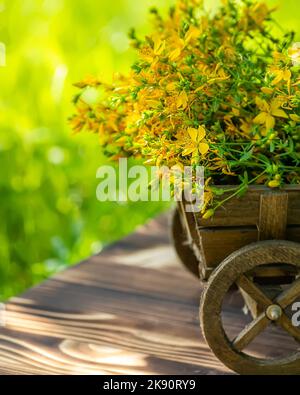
[(133, 309)]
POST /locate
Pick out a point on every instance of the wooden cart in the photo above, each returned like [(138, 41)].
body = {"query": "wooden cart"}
[(251, 244)]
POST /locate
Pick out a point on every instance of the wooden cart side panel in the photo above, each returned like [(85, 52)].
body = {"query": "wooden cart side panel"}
[(219, 243), (242, 211), (245, 211), (243, 221)]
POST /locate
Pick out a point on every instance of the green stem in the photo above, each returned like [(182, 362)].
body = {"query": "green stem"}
[(239, 190)]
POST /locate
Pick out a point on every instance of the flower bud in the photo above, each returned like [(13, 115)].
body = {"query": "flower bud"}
[(208, 214), (274, 184)]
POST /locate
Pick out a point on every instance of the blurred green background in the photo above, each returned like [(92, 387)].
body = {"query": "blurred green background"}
[(49, 215)]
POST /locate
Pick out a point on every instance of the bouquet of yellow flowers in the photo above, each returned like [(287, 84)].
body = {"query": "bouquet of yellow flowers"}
[(220, 90)]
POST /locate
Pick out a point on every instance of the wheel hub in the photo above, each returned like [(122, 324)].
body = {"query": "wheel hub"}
[(274, 312)]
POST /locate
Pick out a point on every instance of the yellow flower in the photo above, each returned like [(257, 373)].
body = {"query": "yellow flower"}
[(194, 71), (208, 214), (174, 55), (146, 53), (269, 112), (220, 164), (295, 117), (159, 46), (267, 91), (191, 34), (228, 51), (171, 87), (236, 112), (281, 75), (259, 13), (279, 57), (246, 126), (274, 184), (196, 145), (182, 100)]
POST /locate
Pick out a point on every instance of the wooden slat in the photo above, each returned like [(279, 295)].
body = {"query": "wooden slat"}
[(273, 216), (244, 211), (218, 243)]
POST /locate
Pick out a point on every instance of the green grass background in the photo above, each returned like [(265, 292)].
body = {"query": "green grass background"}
[(49, 215)]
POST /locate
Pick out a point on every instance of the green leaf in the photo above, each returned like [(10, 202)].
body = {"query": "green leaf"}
[(246, 156)]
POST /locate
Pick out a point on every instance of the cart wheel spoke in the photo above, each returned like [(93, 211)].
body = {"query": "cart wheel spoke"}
[(286, 324), (251, 332), (241, 354), (254, 291), (289, 295)]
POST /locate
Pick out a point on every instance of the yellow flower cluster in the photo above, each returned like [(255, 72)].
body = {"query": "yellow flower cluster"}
[(215, 90)]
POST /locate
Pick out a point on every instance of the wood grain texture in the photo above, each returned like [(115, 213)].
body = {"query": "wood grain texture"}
[(249, 208), (218, 243), (273, 216), (131, 310), (261, 214)]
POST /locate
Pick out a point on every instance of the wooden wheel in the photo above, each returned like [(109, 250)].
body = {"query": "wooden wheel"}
[(180, 242), (236, 269)]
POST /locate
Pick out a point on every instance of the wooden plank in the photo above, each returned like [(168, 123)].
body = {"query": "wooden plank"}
[(219, 243), (273, 216), (244, 211), (130, 310)]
